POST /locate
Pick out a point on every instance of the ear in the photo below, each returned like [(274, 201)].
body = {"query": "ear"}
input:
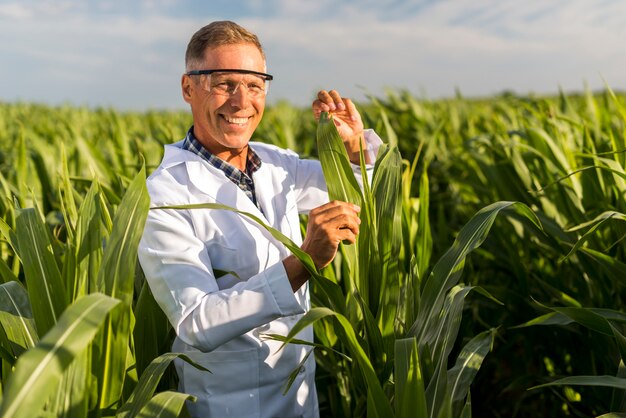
[(186, 85)]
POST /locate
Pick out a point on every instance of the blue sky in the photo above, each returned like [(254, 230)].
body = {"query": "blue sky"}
[(129, 54)]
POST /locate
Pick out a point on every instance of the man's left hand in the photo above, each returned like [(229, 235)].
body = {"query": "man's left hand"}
[(345, 116)]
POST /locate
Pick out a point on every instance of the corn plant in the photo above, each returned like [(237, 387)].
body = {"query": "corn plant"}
[(387, 334), (564, 158), (67, 335)]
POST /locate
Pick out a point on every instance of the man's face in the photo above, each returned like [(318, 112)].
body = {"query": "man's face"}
[(224, 123)]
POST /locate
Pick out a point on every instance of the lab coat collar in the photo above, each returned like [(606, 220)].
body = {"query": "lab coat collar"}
[(213, 182)]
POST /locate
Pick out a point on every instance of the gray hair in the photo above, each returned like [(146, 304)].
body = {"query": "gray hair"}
[(216, 34)]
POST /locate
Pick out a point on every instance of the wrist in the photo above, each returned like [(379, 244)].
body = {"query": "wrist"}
[(353, 148), (296, 272)]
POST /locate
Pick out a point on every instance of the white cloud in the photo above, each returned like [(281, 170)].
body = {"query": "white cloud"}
[(14, 11)]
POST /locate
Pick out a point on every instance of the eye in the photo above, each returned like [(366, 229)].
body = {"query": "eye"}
[(256, 87), (222, 84)]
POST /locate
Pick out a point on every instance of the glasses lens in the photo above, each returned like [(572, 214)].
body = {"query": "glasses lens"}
[(228, 84)]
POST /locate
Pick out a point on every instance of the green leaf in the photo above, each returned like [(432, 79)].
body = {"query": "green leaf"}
[(595, 224), (606, 381), (116, 278), (6, 274), (410, 396), (140, 398), (153, 334), (376, 395), (38, 371), (43, 278), (588, 318), (382, 270), (165, 405), (89, 235), (447, 271), (342, 184), (424, 237), (72, 395), (16, 317), (468, 363), (118, 265)]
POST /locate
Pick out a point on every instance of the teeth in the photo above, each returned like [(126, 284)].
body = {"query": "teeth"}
[(240, 121)]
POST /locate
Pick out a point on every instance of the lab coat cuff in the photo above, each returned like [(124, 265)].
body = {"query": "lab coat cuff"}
[(372, 145), (280, 286)]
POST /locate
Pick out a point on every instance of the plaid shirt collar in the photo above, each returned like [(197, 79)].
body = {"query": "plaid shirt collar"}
[(242, 180)]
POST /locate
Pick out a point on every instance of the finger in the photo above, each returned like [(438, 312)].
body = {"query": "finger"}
[(344, 220), (340, 203), (325, 97), (351, 109), (319, 107), (341, 223), (346, 236), (335, 208), (353, 227), (336, 97), (330, 224)]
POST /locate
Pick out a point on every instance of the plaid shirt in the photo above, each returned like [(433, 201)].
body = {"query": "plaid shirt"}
[(242, 180)]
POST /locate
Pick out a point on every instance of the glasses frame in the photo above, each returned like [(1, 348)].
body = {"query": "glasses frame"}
[(268, 77)]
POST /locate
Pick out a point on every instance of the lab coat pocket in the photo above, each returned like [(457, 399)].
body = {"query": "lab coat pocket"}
[(225, 263), (231, 389)]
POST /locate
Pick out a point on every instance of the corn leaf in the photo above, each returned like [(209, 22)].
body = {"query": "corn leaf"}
[(410, 396), (43, 279), (424, 237), (165, 405), (618, 397), (116, 279), (595, 224), (382, 407), (342, 184), (6, 274), (16, 317), (468, 363), (72, 395), (383, 267), (153, 334), (603, 380), (435, 345), (90, 233), (148, 382), (447, 271), (39, 370)]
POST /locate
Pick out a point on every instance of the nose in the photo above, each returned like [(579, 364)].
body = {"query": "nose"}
[(239, 96)]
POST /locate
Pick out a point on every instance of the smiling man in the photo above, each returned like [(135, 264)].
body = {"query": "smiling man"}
[(223, 280)]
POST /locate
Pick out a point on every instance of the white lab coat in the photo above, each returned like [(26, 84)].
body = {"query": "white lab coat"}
[(220, 322)]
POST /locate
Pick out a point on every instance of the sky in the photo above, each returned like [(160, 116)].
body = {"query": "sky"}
[(129, 54)]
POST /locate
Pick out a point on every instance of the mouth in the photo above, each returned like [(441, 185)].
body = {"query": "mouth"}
[(236, 121)]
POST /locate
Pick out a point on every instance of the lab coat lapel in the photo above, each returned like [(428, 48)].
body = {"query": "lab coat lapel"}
[(265, 193)]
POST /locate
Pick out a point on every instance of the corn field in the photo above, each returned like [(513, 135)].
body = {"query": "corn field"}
[(488, 278)]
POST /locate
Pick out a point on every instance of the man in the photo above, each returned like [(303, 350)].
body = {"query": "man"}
[(223, 280)]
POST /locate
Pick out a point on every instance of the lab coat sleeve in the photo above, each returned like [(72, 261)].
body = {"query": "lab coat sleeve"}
[(310, 185), (179, 272)]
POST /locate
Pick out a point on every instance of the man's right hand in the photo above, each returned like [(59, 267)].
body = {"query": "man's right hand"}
[(328, 225)]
